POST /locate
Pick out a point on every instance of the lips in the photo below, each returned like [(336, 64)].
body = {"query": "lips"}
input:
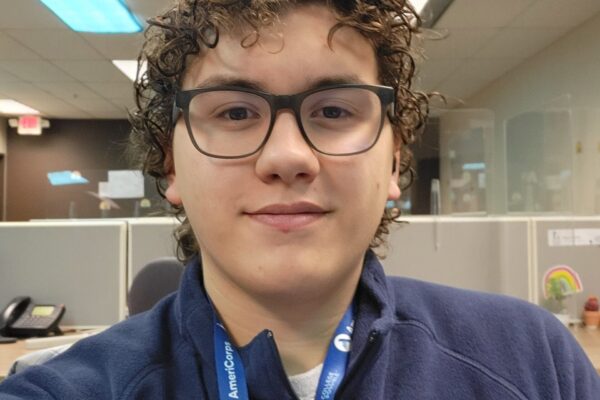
[(288, 217)]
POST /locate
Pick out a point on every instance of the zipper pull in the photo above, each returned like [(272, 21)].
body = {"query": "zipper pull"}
[(373, 336)]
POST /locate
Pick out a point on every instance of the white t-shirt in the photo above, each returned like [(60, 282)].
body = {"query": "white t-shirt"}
[(305, 384)]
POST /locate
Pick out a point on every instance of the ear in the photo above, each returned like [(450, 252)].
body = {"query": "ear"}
[(394, 191), (172, 192)]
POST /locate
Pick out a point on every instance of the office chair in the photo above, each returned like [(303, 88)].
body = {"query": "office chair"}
[(154, 281)]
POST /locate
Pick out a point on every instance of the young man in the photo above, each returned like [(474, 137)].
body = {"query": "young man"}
[(280, 129)]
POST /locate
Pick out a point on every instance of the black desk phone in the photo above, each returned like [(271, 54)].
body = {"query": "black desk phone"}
[(22, 318)]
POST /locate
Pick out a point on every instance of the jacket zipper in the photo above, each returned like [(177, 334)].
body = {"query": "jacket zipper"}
[(282, 375), (360, 362)]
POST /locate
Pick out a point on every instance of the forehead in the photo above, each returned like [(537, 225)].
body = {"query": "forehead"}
[(289, 56)]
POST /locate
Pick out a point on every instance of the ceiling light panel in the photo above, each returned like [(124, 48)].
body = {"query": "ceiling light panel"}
[(96, 16), (12, 107)]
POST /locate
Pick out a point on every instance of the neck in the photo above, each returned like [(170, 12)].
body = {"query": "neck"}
[(302, 325)]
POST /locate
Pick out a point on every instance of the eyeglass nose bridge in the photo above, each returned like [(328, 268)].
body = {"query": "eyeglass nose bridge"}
[(287, 102)]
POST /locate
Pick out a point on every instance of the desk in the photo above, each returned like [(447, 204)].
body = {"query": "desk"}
[(9, 353), (589, 340)]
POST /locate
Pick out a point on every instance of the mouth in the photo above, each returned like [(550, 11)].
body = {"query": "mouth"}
[(288, 217)]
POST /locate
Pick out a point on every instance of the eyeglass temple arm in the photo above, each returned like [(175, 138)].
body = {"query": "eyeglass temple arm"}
[(175, 113)]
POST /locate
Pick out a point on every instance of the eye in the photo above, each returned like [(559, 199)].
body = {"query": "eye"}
[(331, 112), (238, 114)]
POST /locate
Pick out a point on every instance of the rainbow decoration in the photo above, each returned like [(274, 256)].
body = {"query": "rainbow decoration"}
[(568, 279)]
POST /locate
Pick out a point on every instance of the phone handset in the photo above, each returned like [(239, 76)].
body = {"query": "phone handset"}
[(15, 308)]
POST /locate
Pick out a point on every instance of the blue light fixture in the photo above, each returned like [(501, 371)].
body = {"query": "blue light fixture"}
[(95, 16), (473, 167)]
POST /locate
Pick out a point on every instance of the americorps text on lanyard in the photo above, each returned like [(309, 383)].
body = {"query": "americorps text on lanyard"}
[(230, 369)]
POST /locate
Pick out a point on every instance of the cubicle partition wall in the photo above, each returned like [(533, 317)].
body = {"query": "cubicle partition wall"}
[(485, 254), (89, 264), (80, 264), (149, 239), (574, 242)]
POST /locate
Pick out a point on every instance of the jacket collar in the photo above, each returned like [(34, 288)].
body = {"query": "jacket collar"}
[(195, 322)]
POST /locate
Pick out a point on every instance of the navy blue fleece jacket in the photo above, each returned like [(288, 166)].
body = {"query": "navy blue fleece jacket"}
[(412, 340)]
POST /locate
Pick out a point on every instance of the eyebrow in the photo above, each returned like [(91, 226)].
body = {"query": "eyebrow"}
[(225, 80)]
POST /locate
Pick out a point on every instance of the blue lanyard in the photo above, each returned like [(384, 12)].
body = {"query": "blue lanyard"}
[(230, 369)]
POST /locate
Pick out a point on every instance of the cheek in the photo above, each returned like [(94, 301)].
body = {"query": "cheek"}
[(211, 190), (363, 184), (206, 188)]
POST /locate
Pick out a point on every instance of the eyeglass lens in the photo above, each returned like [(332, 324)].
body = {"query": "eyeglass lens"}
[(336, 121)]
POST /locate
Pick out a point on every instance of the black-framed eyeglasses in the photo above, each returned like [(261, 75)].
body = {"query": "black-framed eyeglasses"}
[(236, 122)]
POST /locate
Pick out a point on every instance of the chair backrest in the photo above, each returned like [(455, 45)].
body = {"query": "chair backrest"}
[(154, 281)]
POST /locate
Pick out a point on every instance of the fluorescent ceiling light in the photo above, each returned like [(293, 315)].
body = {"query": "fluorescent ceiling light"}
[(418, 5), (60, 178), (96, 16), (129, 67), (12, 107), (473, 166)]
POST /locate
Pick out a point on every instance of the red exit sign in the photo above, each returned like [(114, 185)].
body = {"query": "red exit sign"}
[(30, 125)]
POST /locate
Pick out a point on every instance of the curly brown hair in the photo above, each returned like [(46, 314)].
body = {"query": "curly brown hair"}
[(193, 26)]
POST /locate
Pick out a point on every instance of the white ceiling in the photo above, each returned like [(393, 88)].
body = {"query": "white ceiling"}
[(487, 38), (64, 74)]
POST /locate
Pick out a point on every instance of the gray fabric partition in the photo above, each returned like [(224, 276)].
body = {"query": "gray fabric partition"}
[(584, 258), (149, 239), (485, 254), (79, 264)]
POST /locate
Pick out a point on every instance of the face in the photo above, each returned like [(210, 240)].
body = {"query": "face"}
[(286, 219)]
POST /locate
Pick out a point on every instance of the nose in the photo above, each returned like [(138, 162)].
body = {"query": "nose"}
[(287, 156)]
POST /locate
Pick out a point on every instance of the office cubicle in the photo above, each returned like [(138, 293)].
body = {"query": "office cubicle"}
[(148, 239), (88, 265), (80, 264), (570, 241), (485, 254)]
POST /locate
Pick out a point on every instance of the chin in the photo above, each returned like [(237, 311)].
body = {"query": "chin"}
[(296, 275)]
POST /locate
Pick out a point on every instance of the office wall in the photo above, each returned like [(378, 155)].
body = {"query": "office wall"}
[(563, 79), (426, 163), (3, 128), (66, 145)]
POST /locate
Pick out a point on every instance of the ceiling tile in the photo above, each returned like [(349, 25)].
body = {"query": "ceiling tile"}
[(116, 114), (93, 105), (519, 42), (68, 91), (36, 98), (92, 71), (18, 87), (557, 14), (145, 9), (113, 90), (482, 13), (6, 76), (123, 103), (55, 44), (70, 113), (27, 14), (35, 71), (11, 50), (116, 47), (474, 75), (458, 43), (432, 72), (60, 109)]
